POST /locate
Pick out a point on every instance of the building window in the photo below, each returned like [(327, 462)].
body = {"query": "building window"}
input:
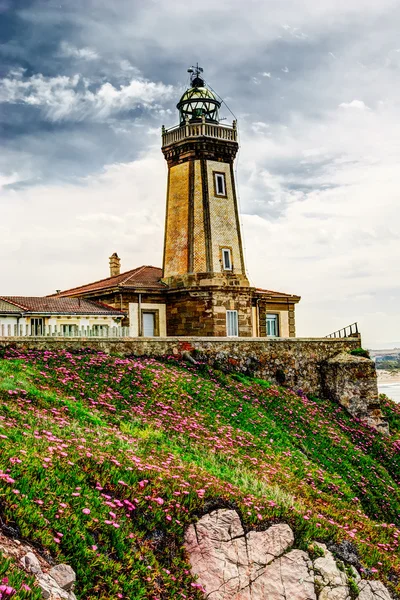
[(272, 325), (232, 328), (148, 324), (226, 259), (219, 184)]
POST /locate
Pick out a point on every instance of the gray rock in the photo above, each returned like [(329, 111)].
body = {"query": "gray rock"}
[(64, 575), (31, 563), (331, 581), (347, 552), (288, 577), (230, 564), (373, 590), (50, 589)]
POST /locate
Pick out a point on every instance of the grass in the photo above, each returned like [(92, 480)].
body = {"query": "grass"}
[(104, 461)]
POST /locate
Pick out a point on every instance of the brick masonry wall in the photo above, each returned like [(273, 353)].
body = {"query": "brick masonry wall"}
[(202, 312), (199, 264), (224, 227), (176, 227)]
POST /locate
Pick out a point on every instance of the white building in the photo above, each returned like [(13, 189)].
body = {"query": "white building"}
[(21, 315)]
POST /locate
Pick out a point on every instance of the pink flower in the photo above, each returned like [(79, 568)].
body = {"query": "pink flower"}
[(159, 501), (86, 511)]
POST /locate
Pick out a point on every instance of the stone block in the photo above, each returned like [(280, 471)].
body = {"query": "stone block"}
[(31, 563), (351, 381), (64, 575)]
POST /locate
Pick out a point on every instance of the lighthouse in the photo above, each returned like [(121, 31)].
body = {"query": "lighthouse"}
[(203, 242)]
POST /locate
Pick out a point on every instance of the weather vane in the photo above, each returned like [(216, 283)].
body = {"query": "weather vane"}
[(195, 76)]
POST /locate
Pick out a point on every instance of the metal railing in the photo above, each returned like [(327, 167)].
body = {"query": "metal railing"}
[(27, 331), (348, 331), (202, 129)]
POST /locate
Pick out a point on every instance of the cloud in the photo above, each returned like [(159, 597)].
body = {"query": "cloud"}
[(81, 53), (73, 229), (357, 104), (70, 97)]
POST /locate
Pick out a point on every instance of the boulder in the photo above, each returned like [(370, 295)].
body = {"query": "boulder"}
[(50, 589), (289, 576), (260, 565), (329, 578), (373, 590), (64, 575), (229, 563), (31, 563)]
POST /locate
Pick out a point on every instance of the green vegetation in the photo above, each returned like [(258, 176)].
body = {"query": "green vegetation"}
[(388, 362), (104, 461), (360, 352)]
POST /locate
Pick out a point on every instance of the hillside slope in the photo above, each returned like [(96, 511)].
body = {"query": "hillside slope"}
[(104, 462)]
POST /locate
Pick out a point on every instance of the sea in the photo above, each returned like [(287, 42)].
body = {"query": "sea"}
[(392, 390)]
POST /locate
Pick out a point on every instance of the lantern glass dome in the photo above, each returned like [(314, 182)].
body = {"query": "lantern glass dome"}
[(198, 102)]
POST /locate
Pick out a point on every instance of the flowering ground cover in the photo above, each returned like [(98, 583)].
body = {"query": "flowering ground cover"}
[(104, 461)]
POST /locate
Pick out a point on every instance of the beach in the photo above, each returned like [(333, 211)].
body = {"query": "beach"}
[(389, 384), (388, 376)]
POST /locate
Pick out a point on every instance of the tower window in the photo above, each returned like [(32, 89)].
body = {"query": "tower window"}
[(226, 259), (232, 328), (219, 184)]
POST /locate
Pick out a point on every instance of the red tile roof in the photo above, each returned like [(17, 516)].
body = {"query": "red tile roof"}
[(277, 294), (145, 277), (61, 306)]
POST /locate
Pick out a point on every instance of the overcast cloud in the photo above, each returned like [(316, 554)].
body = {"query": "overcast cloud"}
[(86, 86)]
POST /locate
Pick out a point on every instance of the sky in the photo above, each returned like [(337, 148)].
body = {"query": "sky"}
[(86, 86)]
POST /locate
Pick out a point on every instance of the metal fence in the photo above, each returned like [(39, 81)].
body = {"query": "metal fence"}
[(348, 331)]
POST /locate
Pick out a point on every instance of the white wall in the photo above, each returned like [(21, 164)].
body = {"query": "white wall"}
[(7, 324)]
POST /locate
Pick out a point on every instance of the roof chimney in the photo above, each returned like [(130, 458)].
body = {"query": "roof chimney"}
[(115, 265)]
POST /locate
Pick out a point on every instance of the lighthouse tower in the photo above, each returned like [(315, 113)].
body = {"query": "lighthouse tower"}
[(203, 243), (208, 293)]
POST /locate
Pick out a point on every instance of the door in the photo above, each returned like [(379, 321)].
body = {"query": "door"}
[(148, 320)]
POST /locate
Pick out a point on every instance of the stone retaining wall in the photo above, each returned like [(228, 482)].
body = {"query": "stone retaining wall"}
[(300, 363), (299, 360)]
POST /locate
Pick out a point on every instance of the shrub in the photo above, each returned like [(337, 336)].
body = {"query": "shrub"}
[(360, 352)]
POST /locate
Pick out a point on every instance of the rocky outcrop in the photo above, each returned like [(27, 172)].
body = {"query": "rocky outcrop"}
[(230, 564), (352, 382), (56, 583)]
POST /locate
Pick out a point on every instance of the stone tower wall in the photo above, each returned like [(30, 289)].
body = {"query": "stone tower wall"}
[(225, 226), (176, 249)]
